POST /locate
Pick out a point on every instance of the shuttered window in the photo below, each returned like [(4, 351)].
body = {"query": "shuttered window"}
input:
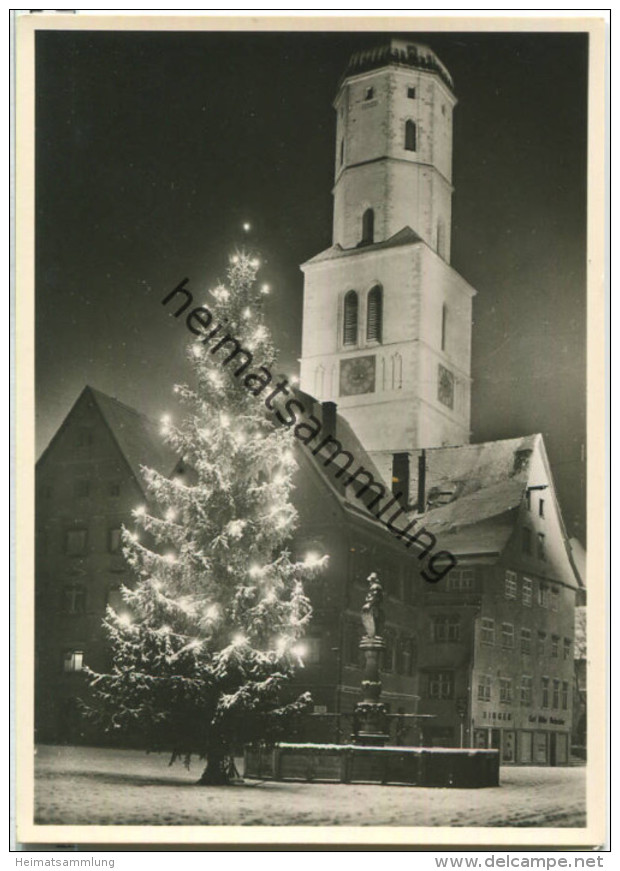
[(374, 325), (349, 333)]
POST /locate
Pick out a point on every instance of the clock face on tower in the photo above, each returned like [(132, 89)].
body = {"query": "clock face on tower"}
[(445, 386), (357, 375)]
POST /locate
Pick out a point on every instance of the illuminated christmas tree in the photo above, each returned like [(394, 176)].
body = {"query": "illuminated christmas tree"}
[(202, 658)]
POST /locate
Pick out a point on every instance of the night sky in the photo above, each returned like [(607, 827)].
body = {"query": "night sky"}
[(154, 148)]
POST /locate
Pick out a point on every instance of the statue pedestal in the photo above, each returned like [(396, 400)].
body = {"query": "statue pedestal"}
[(371, 714)]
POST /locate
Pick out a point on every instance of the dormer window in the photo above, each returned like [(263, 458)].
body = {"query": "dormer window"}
[(349, 325), (370, 93)]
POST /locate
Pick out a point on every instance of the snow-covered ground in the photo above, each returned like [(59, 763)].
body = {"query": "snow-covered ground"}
[(95, 786)]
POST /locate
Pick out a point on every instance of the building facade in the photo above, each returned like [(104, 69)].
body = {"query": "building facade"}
[(387, 320), (484, 653)]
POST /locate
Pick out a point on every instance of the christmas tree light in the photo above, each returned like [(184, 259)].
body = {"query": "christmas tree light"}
[(196, 666)]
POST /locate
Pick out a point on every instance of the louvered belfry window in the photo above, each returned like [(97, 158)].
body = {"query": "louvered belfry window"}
[(349, 333), (374, 325)]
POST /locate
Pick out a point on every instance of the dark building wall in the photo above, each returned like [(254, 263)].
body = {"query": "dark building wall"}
[(85, 492)]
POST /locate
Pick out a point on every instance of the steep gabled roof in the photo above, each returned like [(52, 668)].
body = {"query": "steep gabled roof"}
[(137, 436), (474, 492)]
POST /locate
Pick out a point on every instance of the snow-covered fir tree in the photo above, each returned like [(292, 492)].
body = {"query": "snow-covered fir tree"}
[(209, 640)]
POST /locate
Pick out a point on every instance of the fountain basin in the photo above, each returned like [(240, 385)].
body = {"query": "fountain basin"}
[(347, 763)]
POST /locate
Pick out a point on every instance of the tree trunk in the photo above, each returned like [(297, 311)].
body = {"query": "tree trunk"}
[(216, 772)]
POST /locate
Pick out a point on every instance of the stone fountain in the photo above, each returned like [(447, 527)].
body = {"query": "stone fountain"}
[(367, 759)]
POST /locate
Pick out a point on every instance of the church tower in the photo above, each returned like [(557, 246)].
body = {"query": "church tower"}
[(387, 321)]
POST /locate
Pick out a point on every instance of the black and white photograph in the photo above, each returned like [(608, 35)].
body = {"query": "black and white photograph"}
[(306, 386)]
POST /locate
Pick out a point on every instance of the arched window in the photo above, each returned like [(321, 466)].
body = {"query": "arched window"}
[(374, 323), (410, 136), (444, 326), (349, 325), (368, 227)]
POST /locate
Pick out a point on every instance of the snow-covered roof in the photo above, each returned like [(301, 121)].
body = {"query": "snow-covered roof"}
[(138, 436), (406, 236)]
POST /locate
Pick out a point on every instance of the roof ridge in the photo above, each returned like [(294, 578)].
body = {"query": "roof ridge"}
[(100, 393)]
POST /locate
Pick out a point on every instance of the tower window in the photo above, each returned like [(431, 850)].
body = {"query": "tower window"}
[(411, 93), (410, 136), (368, 227), (444, 326), (349, 331), (374, 325), (370, 92)]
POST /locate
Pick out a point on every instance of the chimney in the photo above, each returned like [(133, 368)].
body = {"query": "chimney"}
[(422, 482), (400, 477), (329, 418)]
